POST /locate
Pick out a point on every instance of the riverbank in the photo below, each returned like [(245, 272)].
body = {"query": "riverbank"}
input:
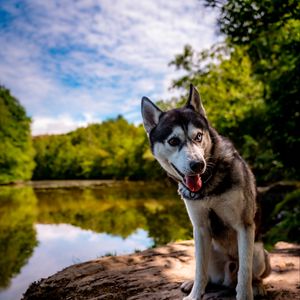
[(83, 183), (155, 274)]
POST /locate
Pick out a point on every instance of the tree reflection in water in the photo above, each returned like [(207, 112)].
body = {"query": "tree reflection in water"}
[(120, 209), (18, 213)]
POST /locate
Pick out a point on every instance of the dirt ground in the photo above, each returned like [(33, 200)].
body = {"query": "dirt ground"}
[(156, 274)]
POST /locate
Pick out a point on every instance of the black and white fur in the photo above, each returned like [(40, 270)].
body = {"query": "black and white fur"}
[(223, 211)]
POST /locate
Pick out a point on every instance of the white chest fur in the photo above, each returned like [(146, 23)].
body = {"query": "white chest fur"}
[(228, 207)]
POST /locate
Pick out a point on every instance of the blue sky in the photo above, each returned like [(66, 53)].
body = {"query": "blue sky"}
[(75, 62)]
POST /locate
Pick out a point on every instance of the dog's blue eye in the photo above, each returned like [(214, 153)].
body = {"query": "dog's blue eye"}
[(198, 137), (174, 141)]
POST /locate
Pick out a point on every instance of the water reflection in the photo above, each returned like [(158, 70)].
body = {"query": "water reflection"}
[(62, 245), (18, 211), (119, 209), (72, 225)]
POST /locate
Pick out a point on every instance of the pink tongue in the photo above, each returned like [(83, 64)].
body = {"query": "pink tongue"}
[(194, 183)]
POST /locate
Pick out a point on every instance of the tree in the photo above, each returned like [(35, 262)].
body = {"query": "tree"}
[(270, 31), (223, 75), (250, 84), (234, 100), (16, 151), (112, 149)]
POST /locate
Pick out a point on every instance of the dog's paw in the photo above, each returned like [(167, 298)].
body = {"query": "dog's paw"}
[(189, 297), (194, 294), (186, 194), (243, 293), (211, 296), (187, 286), (224, 294), (259, 289)]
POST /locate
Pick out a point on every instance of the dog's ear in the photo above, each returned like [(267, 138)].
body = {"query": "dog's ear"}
[(194, 101), (150, 113)]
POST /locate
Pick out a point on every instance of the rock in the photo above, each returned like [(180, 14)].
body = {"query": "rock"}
[(155, 274)]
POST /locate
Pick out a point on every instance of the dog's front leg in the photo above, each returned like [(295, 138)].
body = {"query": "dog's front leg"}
[(202, 241), (245, 249), (202, 253)]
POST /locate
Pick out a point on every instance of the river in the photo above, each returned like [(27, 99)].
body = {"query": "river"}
[(47, 226)]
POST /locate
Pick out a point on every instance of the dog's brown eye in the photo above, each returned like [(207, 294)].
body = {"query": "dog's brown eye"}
[(198, 137), (174, 141)]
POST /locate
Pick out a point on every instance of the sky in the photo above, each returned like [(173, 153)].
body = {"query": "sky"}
[(75, 62)]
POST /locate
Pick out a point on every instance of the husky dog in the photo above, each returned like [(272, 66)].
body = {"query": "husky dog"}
[(219, 192)]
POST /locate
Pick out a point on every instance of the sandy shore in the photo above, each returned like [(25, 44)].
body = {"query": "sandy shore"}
[(156, 274)]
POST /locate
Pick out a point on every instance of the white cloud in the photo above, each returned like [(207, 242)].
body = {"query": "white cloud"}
[(65, 60), (61, 124), (66, 232)]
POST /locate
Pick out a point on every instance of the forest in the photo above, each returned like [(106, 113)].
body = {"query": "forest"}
[(113, 149), (250, 87)]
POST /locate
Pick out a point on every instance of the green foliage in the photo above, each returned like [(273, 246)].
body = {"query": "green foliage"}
[(16, 151), (234, 101), (17, 234), (286, 216), (270, 31), (250, 84), (223, 75), (113, 149)]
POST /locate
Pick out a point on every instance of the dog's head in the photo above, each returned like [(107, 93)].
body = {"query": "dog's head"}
[(180, 139)]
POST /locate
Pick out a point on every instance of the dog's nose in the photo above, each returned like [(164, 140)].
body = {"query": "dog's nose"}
[(197, 166)]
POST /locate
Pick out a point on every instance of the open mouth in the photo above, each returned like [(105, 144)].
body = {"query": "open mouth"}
[(192, 182)]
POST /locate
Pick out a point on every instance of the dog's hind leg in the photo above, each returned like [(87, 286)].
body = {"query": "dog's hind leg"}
[(261, 269), (221, 271), (230, 273), (187, 286), (261, 262)]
